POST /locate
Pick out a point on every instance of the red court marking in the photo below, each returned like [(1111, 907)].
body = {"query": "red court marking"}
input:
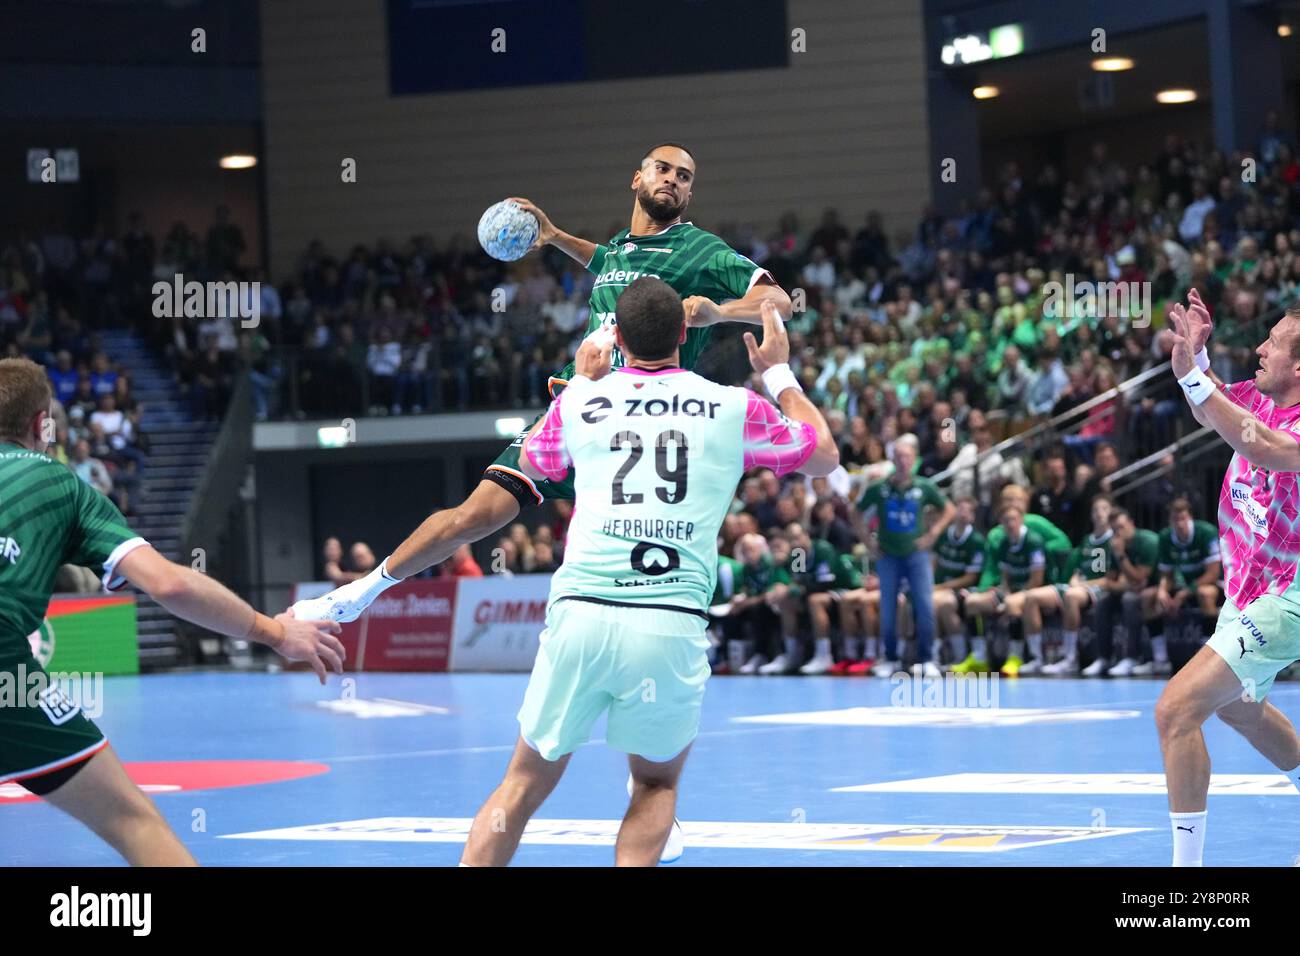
[(180, 775)]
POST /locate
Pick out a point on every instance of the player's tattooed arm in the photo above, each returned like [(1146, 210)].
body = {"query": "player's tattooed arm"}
[(577, 249), (701, 311)]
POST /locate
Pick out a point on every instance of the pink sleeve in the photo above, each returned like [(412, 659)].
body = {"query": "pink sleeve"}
[(773, 441), (545, 449), (1241, 393)]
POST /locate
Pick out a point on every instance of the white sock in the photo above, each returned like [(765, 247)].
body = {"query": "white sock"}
[(1016, 649), (1159, 649), (823, 647), (958, 647), (873, 648), (980, 648), (1035, 642), (1070, 644), (1189, 837), (853, 648)]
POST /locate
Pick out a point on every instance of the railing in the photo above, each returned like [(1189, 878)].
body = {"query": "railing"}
[(1192, 447), (218, 489)]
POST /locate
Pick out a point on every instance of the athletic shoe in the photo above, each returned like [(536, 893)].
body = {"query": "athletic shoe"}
[(817, 666), (1011, 666), (1031, 668), (842, 668), (752, 665), (861, 668), (721, 669), (971, 665), (1065, 667), (917, 669), (779, 665), (676, 844), (1153, 669), (886, 668), (1124, 668), (1097, 668), (931, 669)]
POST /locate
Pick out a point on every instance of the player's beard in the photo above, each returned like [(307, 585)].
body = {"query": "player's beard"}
[(659, 207)]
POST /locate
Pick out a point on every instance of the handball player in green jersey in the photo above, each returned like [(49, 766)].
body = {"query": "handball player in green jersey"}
[(50, 517)]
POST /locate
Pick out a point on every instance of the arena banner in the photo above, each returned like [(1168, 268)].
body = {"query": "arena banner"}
[(88, 634), (498, 620), (408, 628)]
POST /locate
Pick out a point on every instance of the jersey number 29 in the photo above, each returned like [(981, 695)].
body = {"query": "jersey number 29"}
[(675, 475)]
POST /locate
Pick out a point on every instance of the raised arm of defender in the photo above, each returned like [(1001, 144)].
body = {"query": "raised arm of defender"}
[(771, 360), (1262, 446)]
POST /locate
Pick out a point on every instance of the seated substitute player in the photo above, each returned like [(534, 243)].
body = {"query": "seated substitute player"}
[(1022, 563), (1258, 632), (958, 564), (659, 242), (815, 578), (1135, 551), (756, 618), (1090, 577), (1056, 541), (1191, 577), (48, 518), (625, 623), (724, 629)]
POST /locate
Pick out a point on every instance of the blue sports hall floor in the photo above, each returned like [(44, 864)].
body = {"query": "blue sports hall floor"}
[(258, 769)]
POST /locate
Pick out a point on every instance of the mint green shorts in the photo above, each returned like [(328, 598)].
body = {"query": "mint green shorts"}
[(1259, 641), (646, 668)]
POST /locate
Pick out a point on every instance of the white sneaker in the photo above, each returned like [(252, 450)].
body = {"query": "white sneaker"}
[(1124, 668), (818, 665), (885, 669), (778, 666), (917, 669), (931, 669), (752, 665), (1153, 669), (1065, 667), (676, 844), (1031, 667), (1097, 668)]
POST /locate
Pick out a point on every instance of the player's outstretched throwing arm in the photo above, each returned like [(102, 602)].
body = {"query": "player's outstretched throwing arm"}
[(1213, 405), (208, 603)]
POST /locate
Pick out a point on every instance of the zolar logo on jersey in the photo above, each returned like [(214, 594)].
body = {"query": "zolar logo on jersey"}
[(1256, 517), (10, 551)]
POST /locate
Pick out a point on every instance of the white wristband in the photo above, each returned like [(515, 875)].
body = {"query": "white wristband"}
[(1197, 386), (1203, 360), (778, 378)]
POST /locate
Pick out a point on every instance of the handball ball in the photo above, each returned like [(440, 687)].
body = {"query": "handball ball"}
[(506, 231)]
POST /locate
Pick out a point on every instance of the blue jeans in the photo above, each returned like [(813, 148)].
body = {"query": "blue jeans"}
[(918, 571)]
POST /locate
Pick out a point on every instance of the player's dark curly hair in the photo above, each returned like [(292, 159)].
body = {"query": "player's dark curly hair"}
[(649, 316), (650, 152)]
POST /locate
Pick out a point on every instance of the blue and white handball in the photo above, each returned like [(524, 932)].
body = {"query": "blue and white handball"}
[(506, 231)]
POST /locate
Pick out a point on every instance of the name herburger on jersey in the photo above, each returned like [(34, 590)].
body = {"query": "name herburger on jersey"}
[(598, 408)]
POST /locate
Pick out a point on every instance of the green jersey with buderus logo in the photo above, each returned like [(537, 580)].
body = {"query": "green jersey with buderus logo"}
[(1187, 559), (691, 260), (958, 554), (49, 517)]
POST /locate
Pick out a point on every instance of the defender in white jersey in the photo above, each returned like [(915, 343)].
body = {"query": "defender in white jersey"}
[(658, 452), (1258, 632)]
